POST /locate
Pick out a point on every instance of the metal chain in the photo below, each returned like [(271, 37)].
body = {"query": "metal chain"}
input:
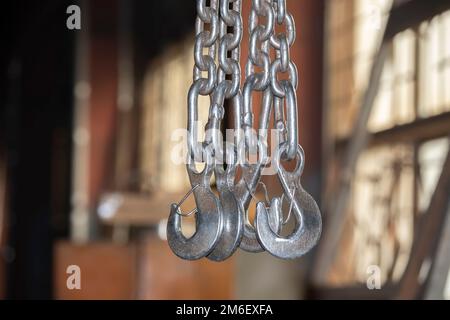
[(207, 30), (261, 28), (229, 47), (208, 211), (260, 36), (229, 73), (220, 220), (206, 39), (284, 91), (258, 57), (282, 42)]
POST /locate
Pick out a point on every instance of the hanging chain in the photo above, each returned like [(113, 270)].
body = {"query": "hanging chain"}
[(217, 74), (258, 57), (229, 47), (206, 39), (229, 73), (260, 35), (282, 42)]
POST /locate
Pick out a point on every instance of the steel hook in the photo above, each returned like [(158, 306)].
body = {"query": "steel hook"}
[(232, 209), (209, 220), (308, 218), (233, 219), (251, 173)]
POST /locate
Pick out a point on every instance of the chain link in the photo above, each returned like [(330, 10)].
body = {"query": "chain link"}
[(217, 74), (229, 72), (259, 42), (258, 57), (206, 39), (229, 47), (284, 91), (207, 29)]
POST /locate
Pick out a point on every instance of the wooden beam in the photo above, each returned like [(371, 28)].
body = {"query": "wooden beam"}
[(334, 222), (103, 74), (418, 131), (413, 12), (441, 266), (138, 210), (403, 15), (425, 239), (126, 147)]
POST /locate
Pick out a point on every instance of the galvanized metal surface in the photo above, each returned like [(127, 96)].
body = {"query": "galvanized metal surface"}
[(222, 224)]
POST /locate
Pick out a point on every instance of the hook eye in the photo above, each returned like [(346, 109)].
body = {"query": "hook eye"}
[(300, 164), (203, 177)]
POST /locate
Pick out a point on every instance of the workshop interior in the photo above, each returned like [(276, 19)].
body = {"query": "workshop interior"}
[(93, 94)]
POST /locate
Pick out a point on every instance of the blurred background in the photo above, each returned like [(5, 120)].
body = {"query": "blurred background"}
[(86, 177)]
